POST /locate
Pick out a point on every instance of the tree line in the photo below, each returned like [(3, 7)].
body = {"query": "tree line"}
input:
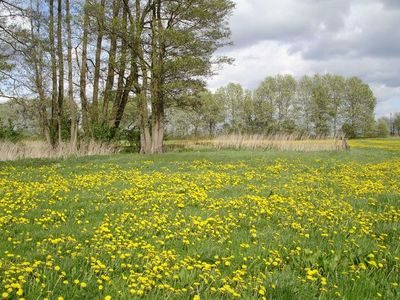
[(81, 64), (319, 105)]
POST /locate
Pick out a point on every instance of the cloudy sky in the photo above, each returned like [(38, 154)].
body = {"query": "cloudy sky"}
[(346, 37)]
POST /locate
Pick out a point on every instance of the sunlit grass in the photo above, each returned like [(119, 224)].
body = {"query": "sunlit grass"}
[(384, 144)]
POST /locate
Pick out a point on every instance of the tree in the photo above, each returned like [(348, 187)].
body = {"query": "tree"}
[(319, 106), (211, 111), (112, 29), (303, 103), (183, 39), (83, 69), (72, 104), (396, 123), (264, 105), (285, 114), (358, 109), (96, 80), (335, 85), (382, 128), (232, 96)]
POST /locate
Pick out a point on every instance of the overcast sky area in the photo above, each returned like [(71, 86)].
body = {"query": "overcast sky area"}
[(346, 37)]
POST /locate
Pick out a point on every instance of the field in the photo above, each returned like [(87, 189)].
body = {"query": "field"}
[(204, 225)]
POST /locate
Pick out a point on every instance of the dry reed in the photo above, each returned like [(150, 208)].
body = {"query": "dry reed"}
[(280, 142), (40, 149)]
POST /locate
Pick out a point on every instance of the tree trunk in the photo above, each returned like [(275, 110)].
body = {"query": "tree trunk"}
[(122, 103), (157, 101), (82, 80), (145, 135), (61, 71), (111, 62), (53, 73), (72, 104), (96, 79), (122, 67), (132, 78), (38, 65)]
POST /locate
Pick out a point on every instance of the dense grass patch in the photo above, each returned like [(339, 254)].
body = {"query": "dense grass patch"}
[(218, 225)]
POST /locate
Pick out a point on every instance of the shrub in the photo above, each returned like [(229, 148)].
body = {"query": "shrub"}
[(8, 132)]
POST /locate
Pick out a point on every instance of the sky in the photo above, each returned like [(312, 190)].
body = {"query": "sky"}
[(346, 37)]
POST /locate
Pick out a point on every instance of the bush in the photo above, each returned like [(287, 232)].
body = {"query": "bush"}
[(349, 131), (132, 136), (8, 132), (102, 132)]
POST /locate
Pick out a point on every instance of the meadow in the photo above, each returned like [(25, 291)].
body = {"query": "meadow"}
[(226, 224)]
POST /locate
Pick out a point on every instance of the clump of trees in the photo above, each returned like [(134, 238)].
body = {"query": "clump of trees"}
[(389, 126), (321, 105), (85, 63)]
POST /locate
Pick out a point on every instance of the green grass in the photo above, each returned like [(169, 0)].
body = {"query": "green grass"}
[(217, 224)]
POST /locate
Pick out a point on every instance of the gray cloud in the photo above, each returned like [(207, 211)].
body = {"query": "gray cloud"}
[(370, 30), (285, 20), (347, 37), (392, 3)]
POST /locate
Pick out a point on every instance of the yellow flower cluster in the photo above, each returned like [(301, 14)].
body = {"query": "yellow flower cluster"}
[(261, 227)]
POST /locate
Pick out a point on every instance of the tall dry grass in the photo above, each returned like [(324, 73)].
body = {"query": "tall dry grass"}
[(40, 149), (280, 142)]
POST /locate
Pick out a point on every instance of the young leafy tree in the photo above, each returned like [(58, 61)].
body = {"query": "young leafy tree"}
[(396, 123), (358, 109), (265, 105), (382, 128), (232, 96), (212, 111), (285, 115), (335, 85), (320, 106), (303, 103)]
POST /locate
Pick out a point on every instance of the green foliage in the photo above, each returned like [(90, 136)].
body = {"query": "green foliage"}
[(396, 123), (8, 131), (349, 130), (132, 136), (102, 132), (382, 128)]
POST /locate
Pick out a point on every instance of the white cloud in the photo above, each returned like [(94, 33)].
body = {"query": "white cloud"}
[(254, 63)]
